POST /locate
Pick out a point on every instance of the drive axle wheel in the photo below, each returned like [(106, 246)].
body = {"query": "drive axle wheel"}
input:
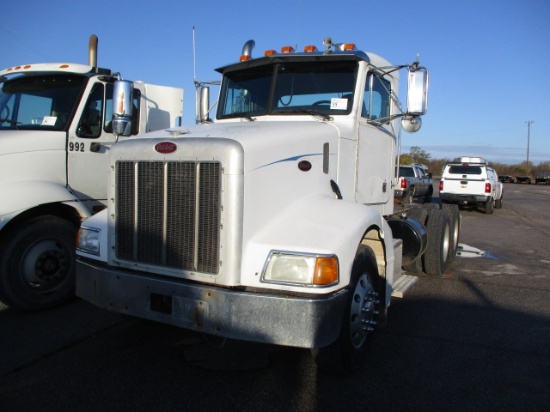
[(37, 264), (439, 242), (454, 221), (360, 318)]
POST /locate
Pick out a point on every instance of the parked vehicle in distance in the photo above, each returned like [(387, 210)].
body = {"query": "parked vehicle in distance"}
[(471, 182), (414, 181), (506, 179), (543, 177), (523, 179)]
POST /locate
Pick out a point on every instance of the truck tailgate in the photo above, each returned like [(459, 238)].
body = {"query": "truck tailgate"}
[(466, 186)]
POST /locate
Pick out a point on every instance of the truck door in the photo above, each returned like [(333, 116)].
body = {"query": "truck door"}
[(422, 179), (376, 145), (89, 142)]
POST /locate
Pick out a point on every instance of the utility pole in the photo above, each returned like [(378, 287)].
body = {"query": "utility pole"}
[(529, 123)]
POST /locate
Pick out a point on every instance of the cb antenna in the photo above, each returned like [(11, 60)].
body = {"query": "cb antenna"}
[(194, 58)]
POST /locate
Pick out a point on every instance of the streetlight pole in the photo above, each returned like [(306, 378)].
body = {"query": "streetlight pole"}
[(529, 123)]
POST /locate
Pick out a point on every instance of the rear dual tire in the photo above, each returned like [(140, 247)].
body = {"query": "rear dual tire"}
[(438, 247), (454, 220)]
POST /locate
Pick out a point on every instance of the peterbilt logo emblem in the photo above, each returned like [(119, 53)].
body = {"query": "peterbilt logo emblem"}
[(166, 147)]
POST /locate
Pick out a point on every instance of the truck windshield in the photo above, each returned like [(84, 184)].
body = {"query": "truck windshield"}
[(45, 102), (289, 88)]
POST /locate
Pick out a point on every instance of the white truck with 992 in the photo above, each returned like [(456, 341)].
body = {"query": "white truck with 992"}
[(275, 222), (56, 131)]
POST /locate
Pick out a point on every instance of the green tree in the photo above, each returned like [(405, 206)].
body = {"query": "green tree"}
[(405, 159), (419, 155)]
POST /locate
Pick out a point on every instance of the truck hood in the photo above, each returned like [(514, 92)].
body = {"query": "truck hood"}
[(263, 142), (22, 141)]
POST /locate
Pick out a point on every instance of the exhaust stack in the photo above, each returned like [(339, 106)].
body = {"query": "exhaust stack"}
[(247, 50), (92, 51)]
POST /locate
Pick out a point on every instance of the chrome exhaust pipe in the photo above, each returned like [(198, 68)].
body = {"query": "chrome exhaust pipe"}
[(247, 48), (92, 51)]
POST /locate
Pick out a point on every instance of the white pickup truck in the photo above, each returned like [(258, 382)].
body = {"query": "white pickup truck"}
[(471, 182)]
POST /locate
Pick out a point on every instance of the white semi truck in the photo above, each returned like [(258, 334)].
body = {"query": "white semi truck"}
[(274, 222), (56, 131)]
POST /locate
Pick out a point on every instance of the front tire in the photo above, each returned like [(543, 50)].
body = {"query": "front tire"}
[(37, 264), (345, 354)]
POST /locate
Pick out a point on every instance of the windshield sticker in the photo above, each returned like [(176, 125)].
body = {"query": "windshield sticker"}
[(49, 120), (338, 104)]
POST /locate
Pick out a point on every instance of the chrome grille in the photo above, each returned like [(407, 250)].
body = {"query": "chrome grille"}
[(168, 214)]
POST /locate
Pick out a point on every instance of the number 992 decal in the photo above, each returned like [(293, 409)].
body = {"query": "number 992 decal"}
[(76, 147)]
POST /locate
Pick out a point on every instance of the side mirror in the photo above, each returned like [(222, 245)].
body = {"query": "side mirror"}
[(122, 108), (417, 93)]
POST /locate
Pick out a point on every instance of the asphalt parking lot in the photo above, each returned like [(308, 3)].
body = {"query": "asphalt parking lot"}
[(475, 339)]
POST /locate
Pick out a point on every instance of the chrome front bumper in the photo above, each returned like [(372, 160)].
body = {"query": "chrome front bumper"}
[(258, 317)]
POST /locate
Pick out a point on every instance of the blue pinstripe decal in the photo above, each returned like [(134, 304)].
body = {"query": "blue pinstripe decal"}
[(289, 159)]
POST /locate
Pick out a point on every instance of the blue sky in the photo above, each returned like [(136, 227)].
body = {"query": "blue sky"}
[(484, 56)]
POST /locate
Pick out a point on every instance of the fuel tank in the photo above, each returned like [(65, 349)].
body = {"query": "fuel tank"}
[(414, 236)]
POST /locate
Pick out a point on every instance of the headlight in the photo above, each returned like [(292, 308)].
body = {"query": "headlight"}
[(303, 269), (88, 241)]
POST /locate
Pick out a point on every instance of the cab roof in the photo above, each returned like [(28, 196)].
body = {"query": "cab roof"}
[(44, 68)]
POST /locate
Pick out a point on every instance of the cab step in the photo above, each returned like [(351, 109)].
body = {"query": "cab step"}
[(402, 285)]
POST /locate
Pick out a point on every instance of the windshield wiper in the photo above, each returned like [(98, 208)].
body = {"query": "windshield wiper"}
[(12, 122), (313, 113)]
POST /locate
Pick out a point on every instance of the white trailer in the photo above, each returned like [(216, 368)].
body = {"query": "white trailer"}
[(274, 222), (56, 131)]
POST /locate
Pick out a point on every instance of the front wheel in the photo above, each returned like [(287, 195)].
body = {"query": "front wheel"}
[(37, 264), (360, 316)]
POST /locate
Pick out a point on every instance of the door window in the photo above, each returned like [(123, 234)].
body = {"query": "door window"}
[(376, 101), (91, 119)]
